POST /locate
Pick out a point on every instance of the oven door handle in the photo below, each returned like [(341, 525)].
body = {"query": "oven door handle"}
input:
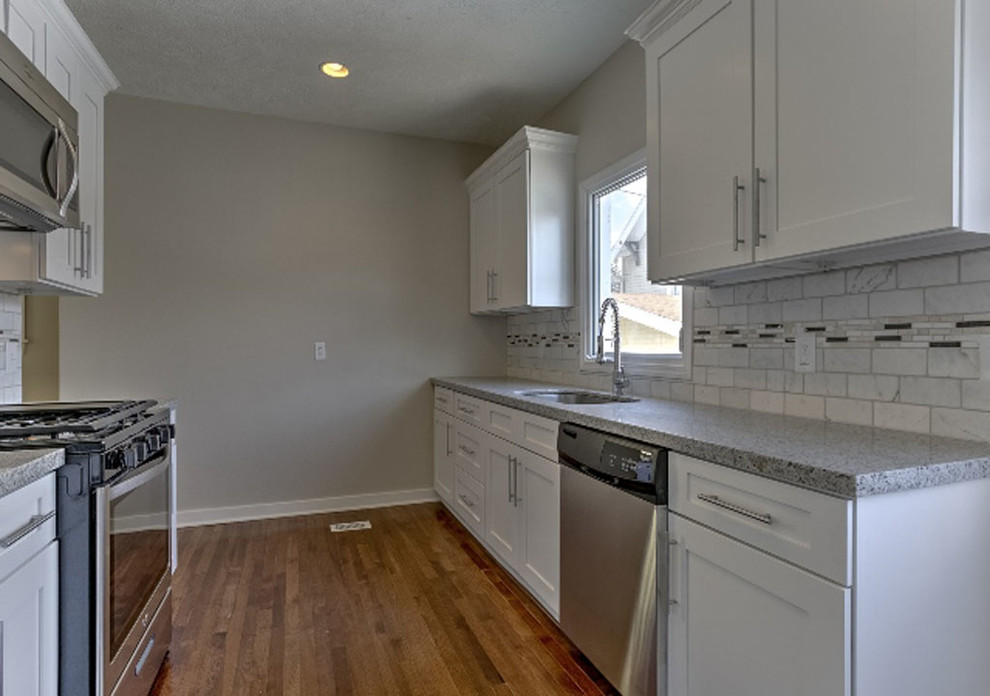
[(139, 476)]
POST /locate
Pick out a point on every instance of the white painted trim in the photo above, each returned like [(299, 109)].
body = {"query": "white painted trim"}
[(62, 16), (292, 508), (672, 366), (528, 138)]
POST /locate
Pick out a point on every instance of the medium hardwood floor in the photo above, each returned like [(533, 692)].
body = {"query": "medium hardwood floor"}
[(412, 606)]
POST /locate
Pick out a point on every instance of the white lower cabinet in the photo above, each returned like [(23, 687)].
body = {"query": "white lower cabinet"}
[(443, 456), (506, 492), (29, 591), (747, 624), (29, 627)]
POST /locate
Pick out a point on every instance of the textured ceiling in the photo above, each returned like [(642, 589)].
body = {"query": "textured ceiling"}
[(464, 70)]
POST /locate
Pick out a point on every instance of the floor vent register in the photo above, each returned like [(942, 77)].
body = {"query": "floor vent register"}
[(350, 526)]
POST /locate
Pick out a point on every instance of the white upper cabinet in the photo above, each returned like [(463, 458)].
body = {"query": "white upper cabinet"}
[(65, 261), (789, 135), (522, 225)]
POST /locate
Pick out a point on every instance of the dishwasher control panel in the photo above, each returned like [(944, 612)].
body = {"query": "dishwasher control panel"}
[(635, 467)]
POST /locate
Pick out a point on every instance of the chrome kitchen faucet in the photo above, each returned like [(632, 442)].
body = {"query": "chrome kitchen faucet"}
[(619, 379)]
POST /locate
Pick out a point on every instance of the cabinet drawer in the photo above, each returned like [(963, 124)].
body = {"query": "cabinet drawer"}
[(469, 449), (443, 399), (469, 502), (535, 433), (809, 529), (469, 408), (25, 525)]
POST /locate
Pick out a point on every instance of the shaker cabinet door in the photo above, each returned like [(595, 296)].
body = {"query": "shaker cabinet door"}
[(854, 128), (502, 519), (29, 627), (443, 456), (512, 200), (483, 247), (700, 141), (539, 500), (747, 624)]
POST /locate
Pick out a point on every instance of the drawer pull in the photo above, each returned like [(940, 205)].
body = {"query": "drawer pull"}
[(466, 450), (442, 399), (465, 409), (467, 502), (763, 517), (18, 534)]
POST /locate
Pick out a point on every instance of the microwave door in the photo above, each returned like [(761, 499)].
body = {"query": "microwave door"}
[(31, 172)]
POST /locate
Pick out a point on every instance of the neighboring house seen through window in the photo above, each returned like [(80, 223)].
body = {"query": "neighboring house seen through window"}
[(651, 316)]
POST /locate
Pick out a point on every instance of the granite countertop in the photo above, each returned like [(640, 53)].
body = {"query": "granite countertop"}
[(844, 460), (18, 468)]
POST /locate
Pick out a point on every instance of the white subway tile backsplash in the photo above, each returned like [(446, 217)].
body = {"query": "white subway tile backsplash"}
[(961, 363), (766, 358), (897, 303), (931, 392), (855, 360), (958, 299), (975, 266), (952, 422), (704, 394), (682, 391), (804, 406), (720, 376), (900, 361), (872, 278), (803, 310), (751, 379), (785, 289), (904, 346), (705, 316), (846, 307), (850, 411), (874, 387), (750, 293), (976, 395), (735, 398), (732, 315), (919, 273), (766, 313), (824, 384), (822, 284), (768, 402), (915, 419)]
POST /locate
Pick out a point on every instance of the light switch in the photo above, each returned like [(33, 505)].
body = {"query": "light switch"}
[(805, 353), (320, 350)]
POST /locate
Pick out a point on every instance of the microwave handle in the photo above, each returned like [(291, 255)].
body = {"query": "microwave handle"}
[(45, 157), (74, 152)]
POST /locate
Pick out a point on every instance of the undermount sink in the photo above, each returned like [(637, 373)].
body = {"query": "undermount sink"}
[(577, 397)]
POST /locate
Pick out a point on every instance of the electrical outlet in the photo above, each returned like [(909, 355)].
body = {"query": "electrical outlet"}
[(320, 350), (805, 353)]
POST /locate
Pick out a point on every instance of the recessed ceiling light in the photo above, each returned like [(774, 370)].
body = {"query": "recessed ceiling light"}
[(335, 69)]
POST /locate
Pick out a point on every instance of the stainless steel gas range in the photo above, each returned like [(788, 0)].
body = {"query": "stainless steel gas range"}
[(114, 529)]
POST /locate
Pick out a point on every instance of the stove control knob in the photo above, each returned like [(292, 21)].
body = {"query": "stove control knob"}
[(153, 441), (116, 460), (140, 450), (130, 457)]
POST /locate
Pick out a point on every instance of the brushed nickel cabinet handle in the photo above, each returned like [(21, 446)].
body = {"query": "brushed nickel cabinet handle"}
[(758, 181), (467, 502), (32, 524), (763, 517), (466, 450), (736, 188)]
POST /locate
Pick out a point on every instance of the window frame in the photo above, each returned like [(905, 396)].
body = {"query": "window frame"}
[(636, 365)]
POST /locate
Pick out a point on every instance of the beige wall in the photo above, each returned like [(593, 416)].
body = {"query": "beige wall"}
[(233, 243), (607, 111)]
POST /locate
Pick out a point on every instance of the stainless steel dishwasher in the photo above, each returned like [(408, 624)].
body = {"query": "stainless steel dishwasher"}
[(613, 581)]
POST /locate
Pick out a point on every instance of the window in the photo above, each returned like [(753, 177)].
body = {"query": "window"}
[(650, 316)]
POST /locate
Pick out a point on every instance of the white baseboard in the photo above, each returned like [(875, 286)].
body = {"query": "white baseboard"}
[(292, 508)]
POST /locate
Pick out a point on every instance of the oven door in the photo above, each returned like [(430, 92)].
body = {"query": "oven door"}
[(132, 566)]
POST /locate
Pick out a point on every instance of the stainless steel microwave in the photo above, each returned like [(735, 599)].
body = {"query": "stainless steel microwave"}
[(39, 149)]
